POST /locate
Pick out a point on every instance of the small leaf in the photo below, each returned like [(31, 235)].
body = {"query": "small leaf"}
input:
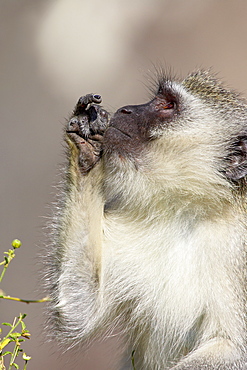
[(7, 353), (15, 365), (26, 335), (7, 324), (4, 343), (15, 335)]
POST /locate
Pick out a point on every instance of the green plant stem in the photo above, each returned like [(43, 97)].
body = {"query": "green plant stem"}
[(2, 367), (14, 326), (133, 360), (6, 262), (14, 354), (3, 272), (45, 299)]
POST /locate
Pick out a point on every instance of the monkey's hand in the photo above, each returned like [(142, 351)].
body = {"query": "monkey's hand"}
[(85, 131)]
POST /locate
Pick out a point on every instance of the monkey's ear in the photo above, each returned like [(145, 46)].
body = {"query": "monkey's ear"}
[(237, 160)]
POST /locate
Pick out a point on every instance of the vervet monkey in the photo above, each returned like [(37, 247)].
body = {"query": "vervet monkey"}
[(151, 234)]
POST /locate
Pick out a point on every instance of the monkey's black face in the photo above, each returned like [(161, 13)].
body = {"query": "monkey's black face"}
[(134, 125)]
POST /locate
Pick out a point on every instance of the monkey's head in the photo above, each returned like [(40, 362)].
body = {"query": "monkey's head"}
[(191, 136)]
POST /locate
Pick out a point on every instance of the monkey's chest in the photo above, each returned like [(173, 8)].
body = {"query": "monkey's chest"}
[(156, 269)]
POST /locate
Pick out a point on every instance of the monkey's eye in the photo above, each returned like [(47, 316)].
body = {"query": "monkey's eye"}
[(170, 105), (166, 105)]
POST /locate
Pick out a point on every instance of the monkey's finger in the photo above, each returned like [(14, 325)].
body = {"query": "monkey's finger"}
[(73, 126), (96, 137), (85, 100)]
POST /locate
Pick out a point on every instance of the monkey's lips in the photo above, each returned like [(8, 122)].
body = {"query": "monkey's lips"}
[(116, 139), (117, 131)]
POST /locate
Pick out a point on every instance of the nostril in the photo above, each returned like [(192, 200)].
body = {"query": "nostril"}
[(125, 110)]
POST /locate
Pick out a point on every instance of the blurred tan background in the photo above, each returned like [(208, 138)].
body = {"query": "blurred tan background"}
[(52, 52)]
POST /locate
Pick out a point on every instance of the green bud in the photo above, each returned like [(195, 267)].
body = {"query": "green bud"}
[(16, 243), (25, 357)]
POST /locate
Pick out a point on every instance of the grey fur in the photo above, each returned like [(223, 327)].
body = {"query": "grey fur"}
[(152, 239)]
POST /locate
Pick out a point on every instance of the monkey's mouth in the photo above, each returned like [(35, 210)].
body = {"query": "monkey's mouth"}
[(118, 131), (117, 140)]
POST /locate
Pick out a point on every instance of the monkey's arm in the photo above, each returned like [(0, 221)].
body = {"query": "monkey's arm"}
[(217, 354), (74, 261)]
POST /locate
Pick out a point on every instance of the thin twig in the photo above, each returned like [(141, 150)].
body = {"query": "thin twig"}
[(45, 299)]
